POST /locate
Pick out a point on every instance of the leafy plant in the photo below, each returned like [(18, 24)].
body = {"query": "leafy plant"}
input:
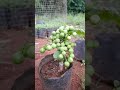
[(60, 39)]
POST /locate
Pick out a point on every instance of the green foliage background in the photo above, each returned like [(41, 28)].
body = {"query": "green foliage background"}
[(76, 6)]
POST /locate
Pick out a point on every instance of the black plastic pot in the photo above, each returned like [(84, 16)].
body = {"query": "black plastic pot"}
[(25, 81), (41, 33), (44, 33), (57, 83), (106, 58), (79, 50)]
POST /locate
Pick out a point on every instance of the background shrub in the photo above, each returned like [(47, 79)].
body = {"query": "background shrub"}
[(76, 6)]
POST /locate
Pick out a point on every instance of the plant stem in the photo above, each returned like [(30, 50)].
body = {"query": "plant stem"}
[(61, 66)]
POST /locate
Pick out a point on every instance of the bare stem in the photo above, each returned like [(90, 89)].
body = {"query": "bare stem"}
[(61, 66)]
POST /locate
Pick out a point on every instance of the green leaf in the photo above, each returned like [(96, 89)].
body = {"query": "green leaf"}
[(81, 33), (56, 54), (114, 89), (116, 83), (92, 44), (118, 88)]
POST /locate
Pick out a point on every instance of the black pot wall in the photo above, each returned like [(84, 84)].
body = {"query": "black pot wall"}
[(79, 49), (25, 81), (60, 83), (43, 33), (106, 58)]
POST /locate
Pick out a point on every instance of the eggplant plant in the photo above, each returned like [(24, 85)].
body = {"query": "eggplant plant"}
[(61, 40)]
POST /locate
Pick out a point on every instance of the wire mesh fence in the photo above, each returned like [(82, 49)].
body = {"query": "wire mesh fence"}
[(51, 7), (17, 14)]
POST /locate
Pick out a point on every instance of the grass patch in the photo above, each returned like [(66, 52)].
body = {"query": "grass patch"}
[(48, 22)]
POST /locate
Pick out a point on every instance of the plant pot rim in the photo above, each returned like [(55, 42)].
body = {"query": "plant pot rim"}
[(39, 70)]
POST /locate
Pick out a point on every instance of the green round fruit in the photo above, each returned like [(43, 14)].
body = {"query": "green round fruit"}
[(25, 48), (87, 80), (61, 28), (69, 46), (90, 70), (74, 33), (65, 31), (63, 53), (51, 37), (70, 60), (73, 44), (57, 32), (69, 37), (62, 48), (67, 28), (67, 43), (88, 58), (42, 50), (62, 34), (62, 44), (116, 83), (53, 33), (60, 56), (18, 58), (54, 45), (57, 40), (54, 41), (95, 19), (71, 50), (90, 44), (72, 55), (57, 36), (71, 27), (95, 44), (48, 47), (118, 88), (67, 64), (59, 48), (31, 52), (65, 48), (58, 44)]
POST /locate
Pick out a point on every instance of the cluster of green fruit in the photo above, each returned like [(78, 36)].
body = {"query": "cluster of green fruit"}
[(89, 69), (88, 60), (60, 39), (116, 85), (27, 51)]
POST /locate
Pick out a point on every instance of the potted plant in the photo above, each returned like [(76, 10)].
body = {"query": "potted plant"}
[(55, 69)]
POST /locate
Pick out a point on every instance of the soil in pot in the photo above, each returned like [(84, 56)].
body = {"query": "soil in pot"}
[(51, 76), (51, 69)]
